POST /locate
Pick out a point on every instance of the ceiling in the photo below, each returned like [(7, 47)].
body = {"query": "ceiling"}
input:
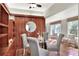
[(25, 6), (47, 9)]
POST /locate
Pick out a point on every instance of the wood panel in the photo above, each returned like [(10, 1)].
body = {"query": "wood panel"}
[(12, 35), (20, 23), (10, 29), (72, 18)]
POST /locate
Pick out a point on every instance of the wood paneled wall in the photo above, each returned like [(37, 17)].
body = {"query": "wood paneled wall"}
[(10, 29), (20, 23), (12, 48)]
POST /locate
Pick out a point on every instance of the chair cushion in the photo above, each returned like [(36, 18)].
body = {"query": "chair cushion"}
[(43, 52), (52, 46)]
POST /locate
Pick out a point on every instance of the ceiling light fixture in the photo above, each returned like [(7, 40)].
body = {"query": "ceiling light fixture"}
[(34, 5)]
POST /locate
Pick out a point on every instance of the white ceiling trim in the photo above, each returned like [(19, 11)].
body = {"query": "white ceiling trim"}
[(16, 11)]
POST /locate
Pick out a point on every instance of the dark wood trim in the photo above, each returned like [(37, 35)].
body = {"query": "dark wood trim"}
[(56, 22), (72, 18), (22, 15), (5, 7)]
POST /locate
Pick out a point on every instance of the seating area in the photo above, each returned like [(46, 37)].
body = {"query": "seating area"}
[(40, 29)]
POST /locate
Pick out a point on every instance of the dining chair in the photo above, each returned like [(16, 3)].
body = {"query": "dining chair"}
[(24, 39), (45, 36), (71, 36), (35, 48), (72, 39), (56, 47)]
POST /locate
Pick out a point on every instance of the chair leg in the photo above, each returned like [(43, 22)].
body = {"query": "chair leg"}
[(58, 53)]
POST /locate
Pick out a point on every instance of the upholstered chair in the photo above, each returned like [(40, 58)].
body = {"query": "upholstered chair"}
[(35, 48), (56, 46), (24, 39)]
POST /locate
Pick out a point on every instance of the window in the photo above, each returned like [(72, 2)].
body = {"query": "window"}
[(55, 28), (73, 27)]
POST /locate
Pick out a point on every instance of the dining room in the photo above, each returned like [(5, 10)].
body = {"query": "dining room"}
[(39, 29)]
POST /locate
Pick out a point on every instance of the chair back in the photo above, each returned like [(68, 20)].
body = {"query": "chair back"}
[(72, 38), (59, 40), (45, 35), (24, 39), (34, 46)]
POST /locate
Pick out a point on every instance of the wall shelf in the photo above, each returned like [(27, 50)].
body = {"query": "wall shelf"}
[(4, 25), (3, 35)]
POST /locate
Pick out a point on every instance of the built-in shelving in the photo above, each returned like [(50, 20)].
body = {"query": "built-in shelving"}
[(3, 26)]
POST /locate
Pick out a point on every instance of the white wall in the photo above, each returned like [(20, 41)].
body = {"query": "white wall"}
[(70, 12)]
